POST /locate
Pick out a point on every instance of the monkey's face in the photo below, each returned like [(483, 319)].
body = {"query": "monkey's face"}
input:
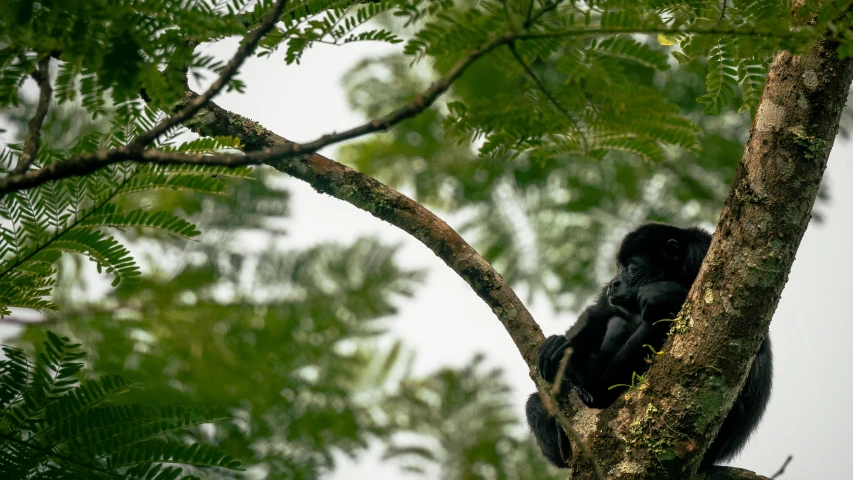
[(649, 265), (622, 291)]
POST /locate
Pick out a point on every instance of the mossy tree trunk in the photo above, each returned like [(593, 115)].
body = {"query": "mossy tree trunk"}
[(668, 423)]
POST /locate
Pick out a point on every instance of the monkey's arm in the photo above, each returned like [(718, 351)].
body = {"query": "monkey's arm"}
[(661, 300), (584, 337), (629, 359)]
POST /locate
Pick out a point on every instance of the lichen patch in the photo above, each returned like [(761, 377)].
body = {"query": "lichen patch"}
[(810, 79), (627, 467), (586, 422), (770, 117), (679, 347)]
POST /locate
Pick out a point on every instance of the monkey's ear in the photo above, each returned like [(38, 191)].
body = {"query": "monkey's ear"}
[(673, 249)]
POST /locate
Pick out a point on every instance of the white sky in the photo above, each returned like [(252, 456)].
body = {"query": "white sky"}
[(811, 330)]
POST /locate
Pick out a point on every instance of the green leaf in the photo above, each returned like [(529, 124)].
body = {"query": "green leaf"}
[(140, 218), (721, 79), (104, 250), (630, 49)]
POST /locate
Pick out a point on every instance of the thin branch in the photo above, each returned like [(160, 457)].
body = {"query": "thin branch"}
[(782, 468), (551, 404), (529, 12), (90, 162), (416, 106), (31, 144), (722, 32), (531, 19), (245, 49), (550, 97), (561, 371), (344, 183)]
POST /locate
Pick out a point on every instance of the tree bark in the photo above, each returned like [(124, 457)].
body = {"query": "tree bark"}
[(670, 421), (332, 178)]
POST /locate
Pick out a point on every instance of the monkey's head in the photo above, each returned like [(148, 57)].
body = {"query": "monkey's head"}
[(656, 252)]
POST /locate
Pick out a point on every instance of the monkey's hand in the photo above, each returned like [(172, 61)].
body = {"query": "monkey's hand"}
[(660, 300), (550, 355)]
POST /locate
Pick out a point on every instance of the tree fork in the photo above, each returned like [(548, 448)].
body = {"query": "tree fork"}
[(671, 420)]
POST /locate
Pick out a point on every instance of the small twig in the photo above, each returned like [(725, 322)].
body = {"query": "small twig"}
[(529, 14), (551, 404), (90, 162), (550, 97), (561, 372), (782, 468), (245, 49), (531, 19), (31, 144)]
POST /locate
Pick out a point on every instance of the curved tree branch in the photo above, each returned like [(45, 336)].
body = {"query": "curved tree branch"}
[(281, 153), (330, 177), (246, 48)]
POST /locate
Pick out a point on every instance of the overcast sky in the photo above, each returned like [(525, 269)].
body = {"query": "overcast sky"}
[(808, 414)]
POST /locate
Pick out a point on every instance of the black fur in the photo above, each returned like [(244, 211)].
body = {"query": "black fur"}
[(656, 265)]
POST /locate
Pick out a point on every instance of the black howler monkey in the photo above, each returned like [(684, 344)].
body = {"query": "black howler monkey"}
[(656, 265)]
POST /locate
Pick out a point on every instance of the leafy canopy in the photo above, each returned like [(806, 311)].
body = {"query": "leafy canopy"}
[(575, 82)]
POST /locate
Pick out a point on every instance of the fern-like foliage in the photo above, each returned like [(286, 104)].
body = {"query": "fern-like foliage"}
[(70, 216), (722, 78), (584, 104), (54, 426), (573, 85), (334, 22)]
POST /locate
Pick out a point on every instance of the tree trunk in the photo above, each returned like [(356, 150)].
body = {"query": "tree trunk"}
[(669, 422)]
